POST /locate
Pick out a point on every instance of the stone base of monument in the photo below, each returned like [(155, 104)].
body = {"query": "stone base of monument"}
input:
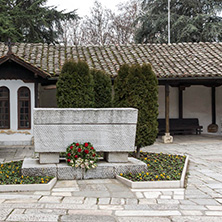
[(104, 170)]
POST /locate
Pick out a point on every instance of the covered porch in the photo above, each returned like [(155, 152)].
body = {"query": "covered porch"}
[(190, 105)]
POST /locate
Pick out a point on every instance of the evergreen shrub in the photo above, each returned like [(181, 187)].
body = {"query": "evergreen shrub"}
[(75, 87), (136, 86), (102, 89)]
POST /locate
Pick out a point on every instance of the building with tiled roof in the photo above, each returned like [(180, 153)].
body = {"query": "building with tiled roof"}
[(174, 60), (189, 75)]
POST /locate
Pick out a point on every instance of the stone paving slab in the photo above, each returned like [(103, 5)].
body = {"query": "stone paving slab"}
[(33, 217), (88, 218), (145, 219)]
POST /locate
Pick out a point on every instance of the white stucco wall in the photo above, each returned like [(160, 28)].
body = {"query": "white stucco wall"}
[(15, 136), (196, 104)]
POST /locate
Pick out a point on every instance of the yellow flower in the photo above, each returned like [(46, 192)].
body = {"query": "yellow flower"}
[(139, 174), (147, 174), (161, 175), (156, 176), (42, 181), (141, 178), (148, 165), (0, 172), (168, 177), (22, 176), (2, 165), (120, 174), (13, 171), (41, 178), (145, 158), (15, 180)]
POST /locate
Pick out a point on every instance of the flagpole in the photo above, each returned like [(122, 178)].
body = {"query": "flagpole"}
[(168, 21)]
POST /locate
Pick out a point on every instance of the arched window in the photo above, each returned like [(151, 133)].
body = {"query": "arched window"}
[(24, 108), (4, 108)]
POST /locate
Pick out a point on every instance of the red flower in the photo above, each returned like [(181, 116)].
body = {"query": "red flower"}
[(71, 147), (86, 151), (94, 154), (77, 144), (92, 148), (69, 154), (68, 160), (86, 144), (76, 156), (79, 150)]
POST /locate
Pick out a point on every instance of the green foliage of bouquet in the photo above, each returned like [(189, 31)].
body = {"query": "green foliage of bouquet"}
[(81, 155)]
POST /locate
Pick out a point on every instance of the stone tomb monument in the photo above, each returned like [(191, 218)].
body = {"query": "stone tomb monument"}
[(110, 130)]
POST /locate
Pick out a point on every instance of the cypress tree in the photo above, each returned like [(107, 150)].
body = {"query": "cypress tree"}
[(120, 86), (102, 89), (75, 87), (139, 90)]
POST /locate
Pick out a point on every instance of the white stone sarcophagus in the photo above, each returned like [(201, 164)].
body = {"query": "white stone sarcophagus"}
[(110, 130)]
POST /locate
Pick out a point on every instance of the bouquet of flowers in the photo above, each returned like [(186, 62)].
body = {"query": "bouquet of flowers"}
[(81, 155)]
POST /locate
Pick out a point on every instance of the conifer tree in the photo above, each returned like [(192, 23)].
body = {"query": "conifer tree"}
[(102, 89), (139, 90), (120, 86), (75, 87), (31, 21), (191, 21)]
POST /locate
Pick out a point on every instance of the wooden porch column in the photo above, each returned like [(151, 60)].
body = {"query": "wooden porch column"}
[(213, 127), (213, 101), (167, 138), (180, 102), (167, 108), (36, 95)]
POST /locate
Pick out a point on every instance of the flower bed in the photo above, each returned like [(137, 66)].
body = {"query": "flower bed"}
[(164, 170), (10, 173)]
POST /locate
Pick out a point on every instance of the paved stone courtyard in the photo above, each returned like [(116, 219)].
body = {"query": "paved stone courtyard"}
[(108, 200)]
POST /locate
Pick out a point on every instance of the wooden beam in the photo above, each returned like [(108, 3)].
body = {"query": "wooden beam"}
[(167, 108)]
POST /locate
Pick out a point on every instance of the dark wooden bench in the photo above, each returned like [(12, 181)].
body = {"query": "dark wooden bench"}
[(181, 126)]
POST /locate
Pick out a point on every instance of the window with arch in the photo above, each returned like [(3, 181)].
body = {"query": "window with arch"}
[(24, 108), (4, 108)]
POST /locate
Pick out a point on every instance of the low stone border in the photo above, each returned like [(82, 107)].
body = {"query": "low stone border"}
[(157, 184), (29, 187), (104, 170)]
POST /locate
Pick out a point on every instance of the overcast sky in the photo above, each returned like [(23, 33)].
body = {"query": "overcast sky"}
[(83, 6)]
